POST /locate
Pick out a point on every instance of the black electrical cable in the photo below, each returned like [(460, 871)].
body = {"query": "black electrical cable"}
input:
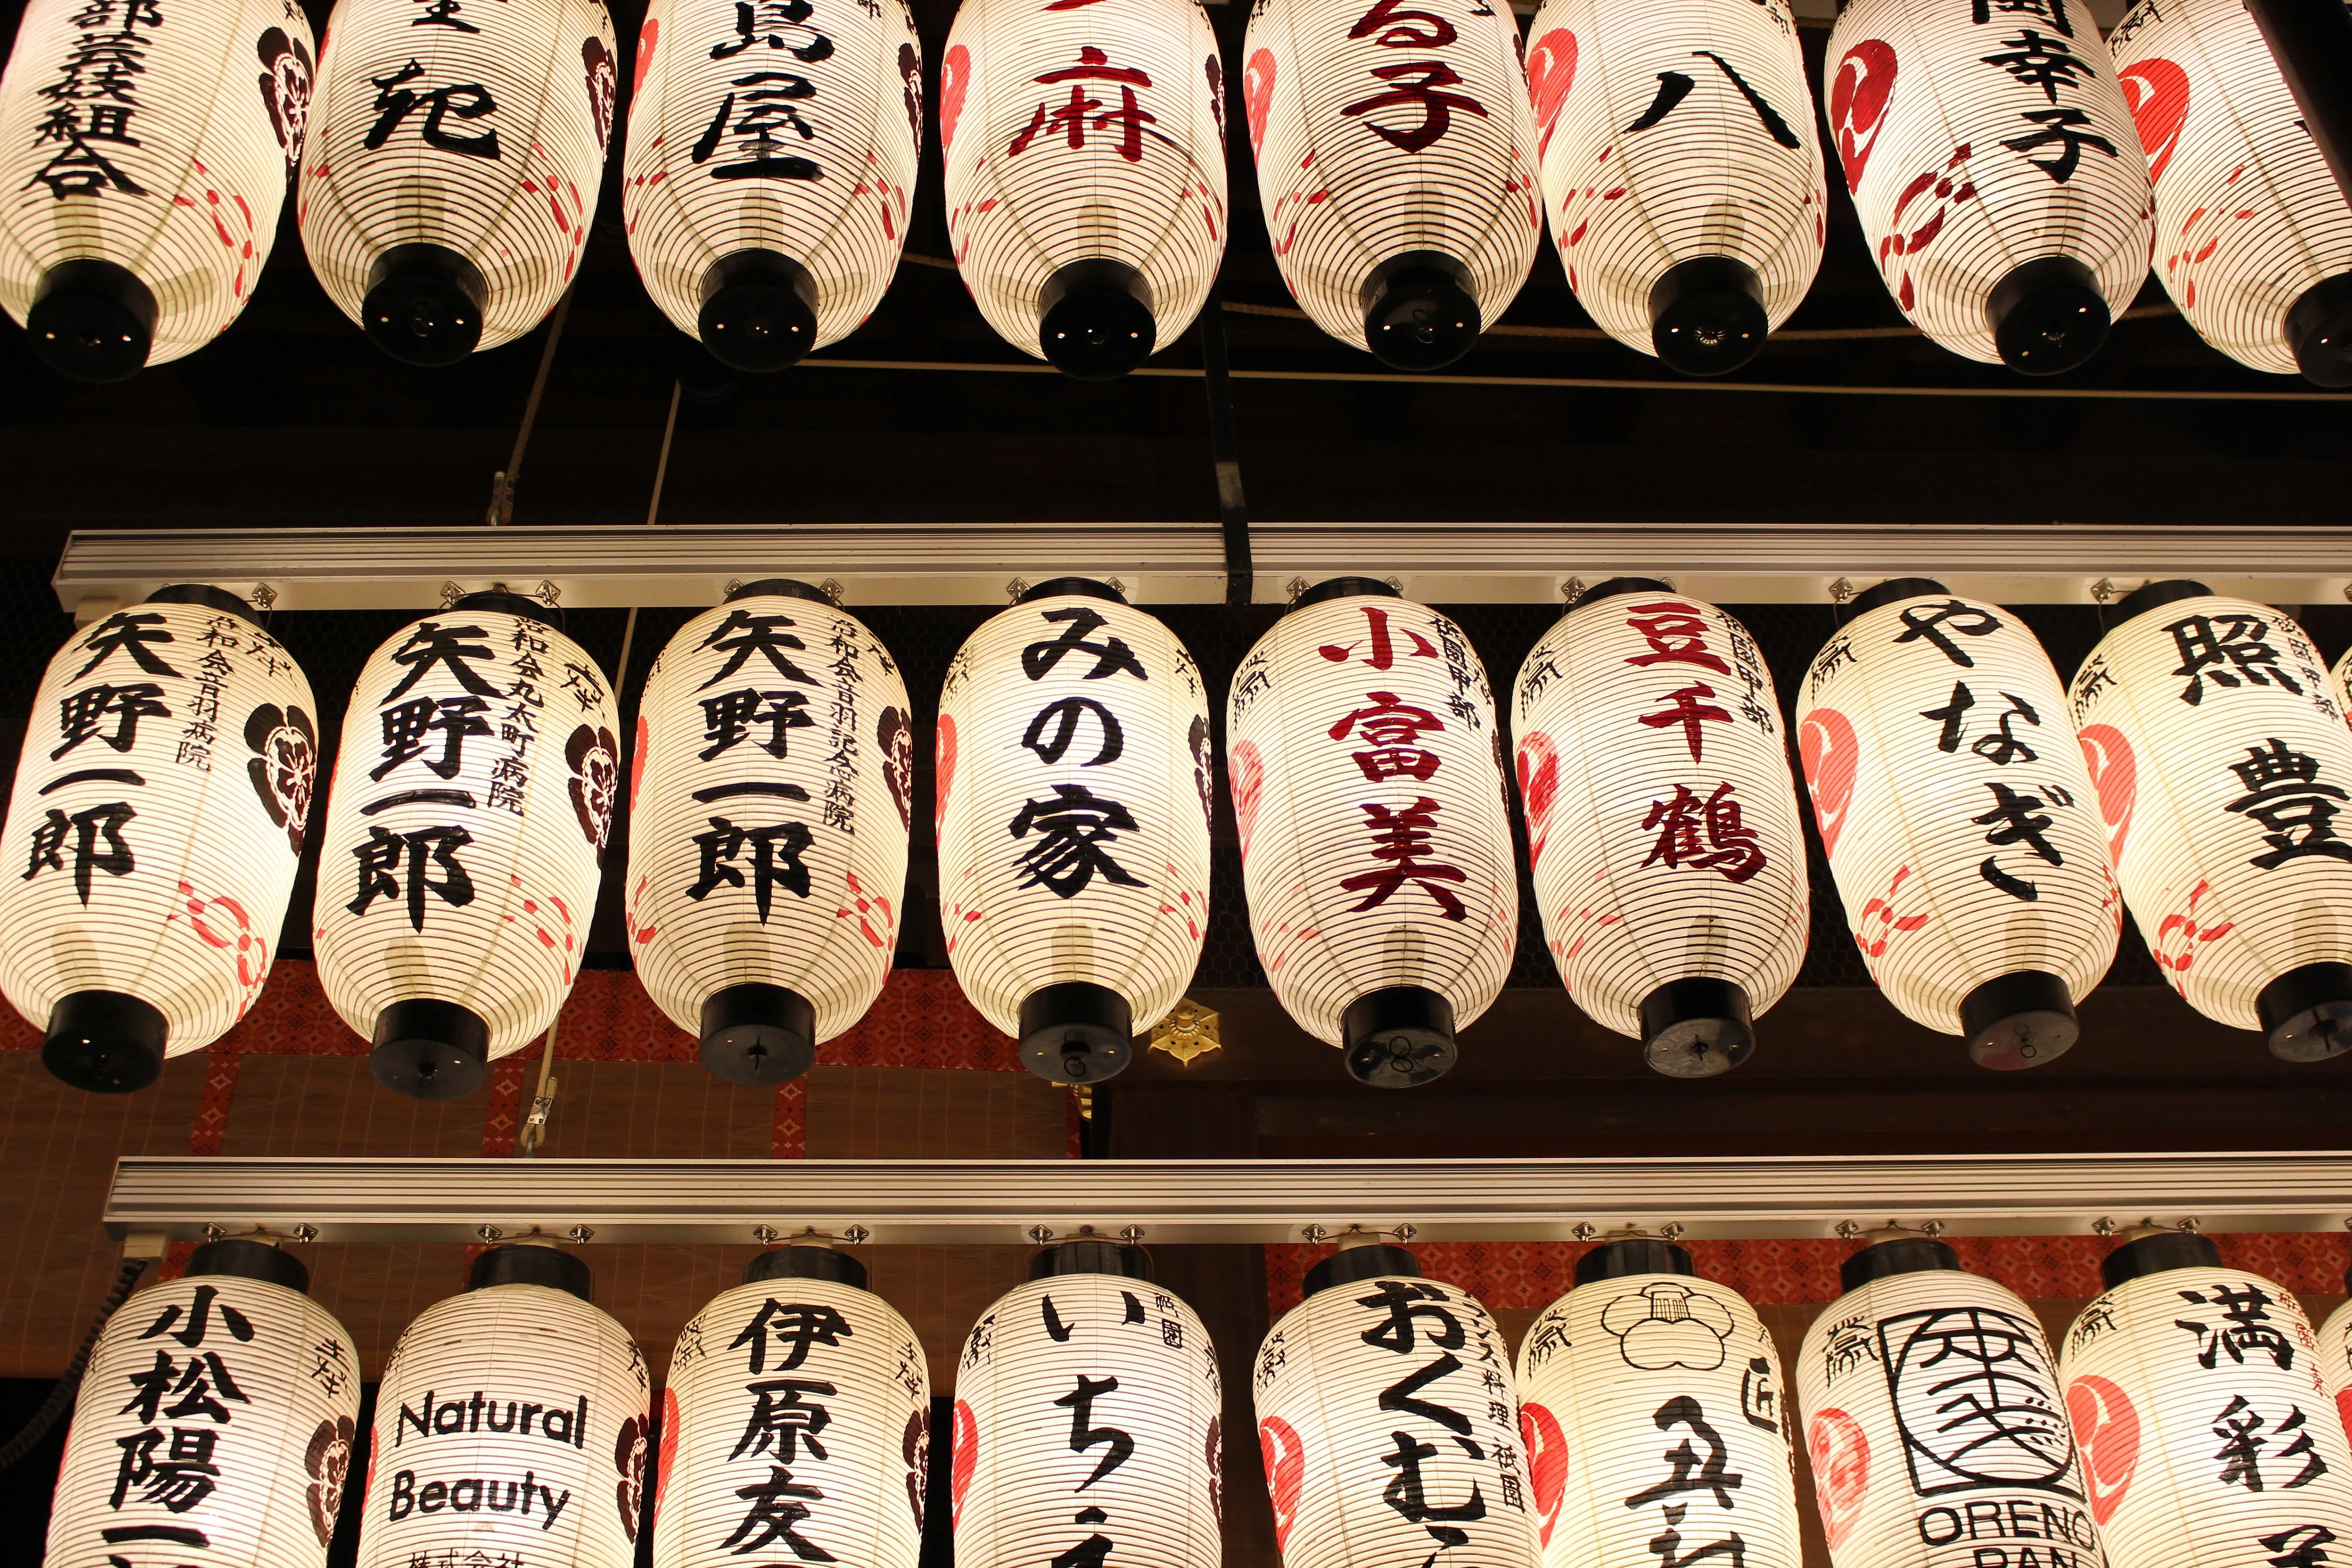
[(62, 1397)]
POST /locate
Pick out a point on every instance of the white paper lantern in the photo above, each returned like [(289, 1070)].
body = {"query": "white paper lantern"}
[(1995, 170), (768, 841), (1375, 838), (1389, 1424), (771, 152), (511, 1421), (2253, 241), (2336, 1358), (1662, 821), (2206, 1418), (1655, 1419), (1935, 1424), (1680, 169), (473, 795), (1396, 167), (1087, 1422), (1085, 154), (156, 822), (795, 1423), (215, 1425), (452, 170), (1959, 822), (1074, 824), (149, 144), (2222, 763)]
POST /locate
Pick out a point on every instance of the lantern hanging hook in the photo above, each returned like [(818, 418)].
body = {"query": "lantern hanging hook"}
[(1848, 1230), (857, 1235), (1298, 586), (1041, 1234), (2102, 591), (1572, 590), (1315, 1235), (450, 594), (489, 1233), (1014, 588), (1840, 590), (581, 1233), (1132, 1235), (1585, 1231), (2103, 1226), (766, 1235)]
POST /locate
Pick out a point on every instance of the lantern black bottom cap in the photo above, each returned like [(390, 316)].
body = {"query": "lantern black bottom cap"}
[(1095, 321), (2307, 1012), (2021, 1020), (1419, 313), (1696, 1027), (424, 305), (758, 310), (2319, 330), (758, 1033), (1077, 1032), (93, 321), (1399, 1038), (2047, 316), (426, 1049), (105, 1042), (1707, 315)]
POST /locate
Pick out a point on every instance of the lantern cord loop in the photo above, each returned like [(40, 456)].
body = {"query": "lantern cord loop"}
[(1224, 450), (502, 483), (61, 1396)]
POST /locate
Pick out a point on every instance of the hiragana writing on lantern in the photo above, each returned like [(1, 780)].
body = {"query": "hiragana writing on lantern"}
[(93, 100), (784, 1423), (1415, 86), (1088, 1429), (181, 1403), (1417, 1314), (1072, 829), (1084, 111), (760, 107), (1693, 1480)]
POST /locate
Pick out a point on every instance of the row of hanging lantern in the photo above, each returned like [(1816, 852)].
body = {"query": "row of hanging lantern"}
[(2191, 1416), (2000, 161), (1985, 826)]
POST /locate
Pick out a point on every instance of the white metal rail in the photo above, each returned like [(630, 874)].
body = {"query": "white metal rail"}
[(1175, 1201), (953, 563)]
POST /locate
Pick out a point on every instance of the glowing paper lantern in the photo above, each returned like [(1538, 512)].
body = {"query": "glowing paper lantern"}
[(2253, 242), (1376, 848), (1074, 824), (1662, 821), (473, 795), (2205, 1413), (770, 153), (1680, 169), (1384, 1413), (1935, 1424), (2222, 763), (1996, 172), (768, 847), (213, 1427), (795, 1423), (149, 144), (2335, 1357), (453, 171), (157, 819), (1397, 167), (510, 1420), (1086, 1421), (1643, 1347), (1959, 822), (1085, 151)]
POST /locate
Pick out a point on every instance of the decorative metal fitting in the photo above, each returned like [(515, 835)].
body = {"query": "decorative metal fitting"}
[(729, 591), (831, 588), (1116, 585), (214, 1231), (1298, 585), (1841, 590), (450, 594), (2102, 591), (304, 1232), (1131, 1234), (1572, 590), (547, 592), (581, 1232), (1672, 1230), (489, 1233), (1585, 1231), (1931, 1228), (1406, 1232), (1396, 583), (1316, 1234), (1190, 1030), (1041, 1234), (857, 1235), (264, 596), (2189, 1224), (1016, 588), (766, 1235), (2103, 1226), (1848, 1230)]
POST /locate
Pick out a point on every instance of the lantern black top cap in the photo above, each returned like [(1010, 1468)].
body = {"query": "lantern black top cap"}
[(204, 594), (1892, 591), (1062, 587), (802, 1260), (1631, 1255), (508, 604), (779, 588), (2146, 1255), (244, 1258), (1086, 1255), (2157, 594), (1346, 588), (1353, 1265), (528, 1263), (1613, 585), (1901, 1255)]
